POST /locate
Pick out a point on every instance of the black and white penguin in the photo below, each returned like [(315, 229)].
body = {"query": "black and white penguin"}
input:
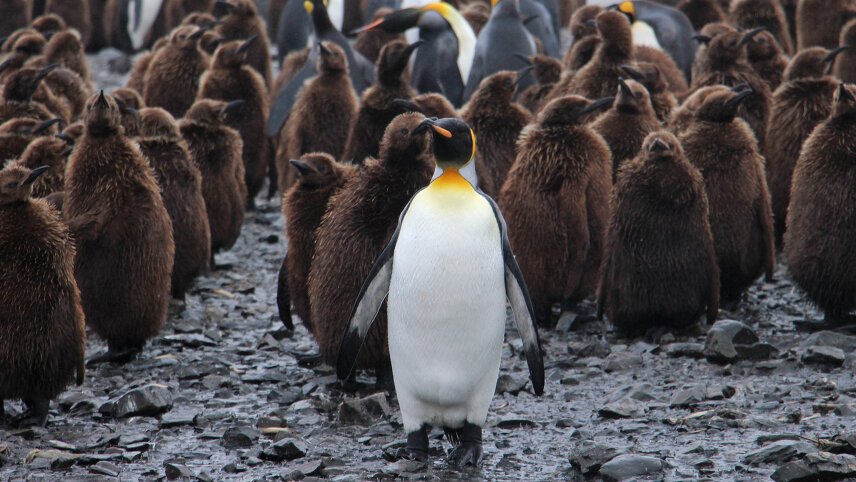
[(451, 244), (295, 31)]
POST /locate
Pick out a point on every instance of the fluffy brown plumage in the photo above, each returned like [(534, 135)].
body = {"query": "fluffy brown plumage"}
[(556, 202), (547, 71), (66, 49), (802, 102), (241, 22), (319, 177), (18, 133), (660, 264), (376, 108), (725, 151), (821, 218), (175, 11), (137, 76), (672, 75), (370, 42), (124, 240), (626, 125), (231, 78), (14, 14), (662, 99), (50, 151), (845, 67), (360, 220), (43, 337), (216, 149), (748, 14), (701, 12), (180, 183), (130, 104), (819, 22), (497, 121), (18, 92), (172, 79), (767, 59), (599, 77), (75, 13), (322, 115)]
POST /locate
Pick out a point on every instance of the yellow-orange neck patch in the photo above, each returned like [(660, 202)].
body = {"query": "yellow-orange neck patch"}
[(451, 179)]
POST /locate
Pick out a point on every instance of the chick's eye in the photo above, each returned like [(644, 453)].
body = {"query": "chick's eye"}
[(403, 131)]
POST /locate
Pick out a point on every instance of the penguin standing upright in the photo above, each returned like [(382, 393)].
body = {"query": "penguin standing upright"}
[(51, 152), (702, 12), (845, 68), (75, 13), (649, 75), (497, 121), (819, 22), (500, 46), (556, 202), (241, 22), (172, 79), (767, 59), (43, 338), (803, 101), (726, 153), (748, 14), (821, 215), (599, 77), (448, 271)]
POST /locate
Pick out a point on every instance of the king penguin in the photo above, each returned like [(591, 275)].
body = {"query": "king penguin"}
[(447, 271)]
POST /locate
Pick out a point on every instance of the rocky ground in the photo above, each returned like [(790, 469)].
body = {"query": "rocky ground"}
[(219, 395)]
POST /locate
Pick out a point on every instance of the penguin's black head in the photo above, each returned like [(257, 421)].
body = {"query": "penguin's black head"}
[(395, 22), (661, 146), (845, 102), (721, 105), (812, 63), (571, 110), (632, 97), (315, 170), (454, 141), (21, 85), (16, 183)]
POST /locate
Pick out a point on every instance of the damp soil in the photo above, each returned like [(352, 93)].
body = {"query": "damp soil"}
[(238, 395)]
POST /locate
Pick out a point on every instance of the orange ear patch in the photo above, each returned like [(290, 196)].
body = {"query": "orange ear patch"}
[(442, 132)]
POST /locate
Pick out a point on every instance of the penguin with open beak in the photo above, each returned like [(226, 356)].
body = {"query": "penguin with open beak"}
[(447, 272)]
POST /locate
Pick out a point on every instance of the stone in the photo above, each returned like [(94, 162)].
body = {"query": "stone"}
[(285, 449), (730, 340), (817, 466), (779, 452), (618, 361), (627, 466), (148, 401), (598, 348), (690, 396), (239, 438), (624, 408), (106, 468), (176, 468), (588, 456), (364, 411), (690, 350), (509, 384), (831, 338), (823, 355)]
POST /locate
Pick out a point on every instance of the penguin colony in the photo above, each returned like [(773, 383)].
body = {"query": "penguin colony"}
[(424, 153)]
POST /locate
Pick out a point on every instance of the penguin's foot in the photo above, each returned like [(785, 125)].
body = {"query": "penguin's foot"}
[(36, 414), (120, 356), (383, 377), (469, 446), (417, 446)]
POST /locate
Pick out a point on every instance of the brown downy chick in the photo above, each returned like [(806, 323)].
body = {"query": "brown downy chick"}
[(319, 177), (819, 22), (583, 29), (703, 38), (821, 217), (376, 107), (43, 338), (476, 14), (725, 151), (51, 152), (291, 65), (749, 14), (16, 134), (26, 47), (432, 104), (48, 23), (662, 100), (626, 125), (360, 220), (767, 59), (672, 277), (556, 204), (73, 132), (9, 42), (137, 77), (65, 49), (370, 42), (669, 70), (176, 11), (322, 116), (231, 78), (125, 247), (75, 13), (216, 149), (701, 12), (180, 182), (599, 77), (496, 121), (172, 79), (845, 68), (724, 62), (547, 71), (130, 104), (18, 96), (241, 22), (200, 19), (803, 101), (683, 115), (209, 42)]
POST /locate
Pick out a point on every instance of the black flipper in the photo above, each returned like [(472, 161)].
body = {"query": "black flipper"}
[(521, 304), (371, 297)]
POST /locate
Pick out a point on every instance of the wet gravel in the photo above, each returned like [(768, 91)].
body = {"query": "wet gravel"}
[(220, 395)]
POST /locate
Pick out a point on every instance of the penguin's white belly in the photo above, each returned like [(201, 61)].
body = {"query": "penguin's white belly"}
[(644, 34), (138, 28), (446, 311)]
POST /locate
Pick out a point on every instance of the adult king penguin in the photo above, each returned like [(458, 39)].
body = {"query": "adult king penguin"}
[(448, 270)]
